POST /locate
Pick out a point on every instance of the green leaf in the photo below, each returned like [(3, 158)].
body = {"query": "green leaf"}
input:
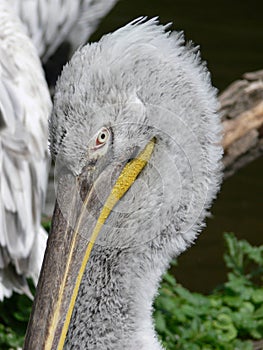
[(257, 296), (169, 279), (222, 320), (160, 322), (259, 312)]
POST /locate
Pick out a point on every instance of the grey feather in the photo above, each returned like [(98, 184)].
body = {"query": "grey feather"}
[(140, 81)]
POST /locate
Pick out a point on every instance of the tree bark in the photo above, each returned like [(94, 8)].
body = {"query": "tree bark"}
[(242, 117)]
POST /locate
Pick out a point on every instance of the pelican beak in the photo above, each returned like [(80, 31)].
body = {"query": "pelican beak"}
[(69, 246)]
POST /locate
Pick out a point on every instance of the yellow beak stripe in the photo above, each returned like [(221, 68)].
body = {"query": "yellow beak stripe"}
[(123, 183)]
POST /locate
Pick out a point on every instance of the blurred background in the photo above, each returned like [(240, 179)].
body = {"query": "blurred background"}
[(230, 35)]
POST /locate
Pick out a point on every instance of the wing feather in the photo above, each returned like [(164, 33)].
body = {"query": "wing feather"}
[(25, 106), (50, 23)]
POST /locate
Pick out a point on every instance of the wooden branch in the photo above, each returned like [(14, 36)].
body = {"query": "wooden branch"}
[(237, 128), (242, 115), (258, 345)]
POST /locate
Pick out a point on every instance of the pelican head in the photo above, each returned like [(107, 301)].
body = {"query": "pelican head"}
[(135, 136)]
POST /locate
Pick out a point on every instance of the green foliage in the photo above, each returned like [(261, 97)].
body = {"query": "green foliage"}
[(14, 315), (227, 319), (46, 223)]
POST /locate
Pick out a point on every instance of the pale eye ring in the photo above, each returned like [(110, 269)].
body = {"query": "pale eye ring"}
[(102, 137)]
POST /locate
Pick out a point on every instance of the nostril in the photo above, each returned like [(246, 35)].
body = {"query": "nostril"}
[(134, 154)]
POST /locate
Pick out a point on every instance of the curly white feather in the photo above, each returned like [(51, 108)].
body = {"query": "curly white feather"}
[(50, 23), (24, 109)]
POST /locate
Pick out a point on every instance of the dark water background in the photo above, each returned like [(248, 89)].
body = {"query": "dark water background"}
[(230, 34)]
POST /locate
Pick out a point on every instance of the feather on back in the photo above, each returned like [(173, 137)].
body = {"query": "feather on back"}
[(25, 106)]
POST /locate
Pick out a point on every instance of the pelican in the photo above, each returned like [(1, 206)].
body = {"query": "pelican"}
[(25, 106), (136, 139), (49, 23)]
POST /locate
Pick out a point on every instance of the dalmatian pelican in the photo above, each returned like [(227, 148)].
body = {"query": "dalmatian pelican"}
[(136, 139), (25, 106)]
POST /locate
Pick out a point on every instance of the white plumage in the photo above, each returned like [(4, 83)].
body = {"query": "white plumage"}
[(49, 23), (24, 109)]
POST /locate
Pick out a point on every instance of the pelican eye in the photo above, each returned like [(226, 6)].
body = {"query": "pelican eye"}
[(102, 137)]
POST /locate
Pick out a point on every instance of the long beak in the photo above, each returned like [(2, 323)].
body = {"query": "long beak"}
[(68, 249)]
